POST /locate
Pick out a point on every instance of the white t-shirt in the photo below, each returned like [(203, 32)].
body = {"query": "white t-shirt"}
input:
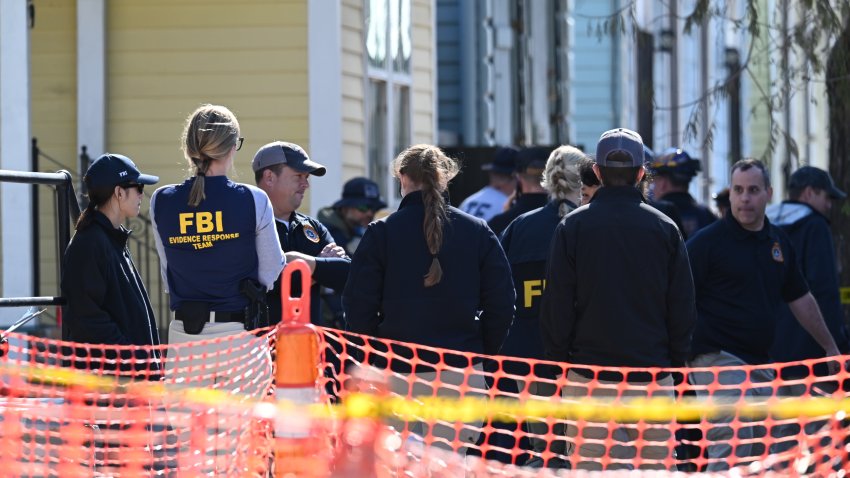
[(485, 203)]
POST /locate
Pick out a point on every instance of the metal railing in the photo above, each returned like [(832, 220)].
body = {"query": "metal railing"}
[(68, 205)]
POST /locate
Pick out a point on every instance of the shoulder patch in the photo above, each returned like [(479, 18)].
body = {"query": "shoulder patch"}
[(776, 252), (310, 232)]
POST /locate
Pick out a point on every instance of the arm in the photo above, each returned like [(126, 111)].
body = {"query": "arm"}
[(681, 304), (361, 299), (160, 249), (557, 308), (269, 253), (818, 267), (332, 264), (807, 313), (497, 294)]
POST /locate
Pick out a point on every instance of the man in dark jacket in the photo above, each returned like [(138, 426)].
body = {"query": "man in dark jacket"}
[(619, 293), (347, 219), (803, 217), (282, 170), (530, 194)]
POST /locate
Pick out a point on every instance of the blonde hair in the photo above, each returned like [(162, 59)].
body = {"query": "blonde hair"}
[(561, 176), (210, 133), (427, 166)]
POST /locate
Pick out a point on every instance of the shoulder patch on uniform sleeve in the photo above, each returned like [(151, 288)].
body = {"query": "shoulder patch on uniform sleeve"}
[(310, 232), (776, 252)]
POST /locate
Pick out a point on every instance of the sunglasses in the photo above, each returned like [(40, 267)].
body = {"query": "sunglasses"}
[(239, 141), (363, 208), (138, 187)]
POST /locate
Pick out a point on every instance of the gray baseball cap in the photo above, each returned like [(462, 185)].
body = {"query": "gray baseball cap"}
[(620, 140), (290, 154)]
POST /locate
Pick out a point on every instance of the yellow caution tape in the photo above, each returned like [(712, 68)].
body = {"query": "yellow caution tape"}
[(468, 409)]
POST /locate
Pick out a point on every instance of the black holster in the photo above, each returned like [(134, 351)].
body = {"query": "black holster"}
[(193, 315), (257, 313)]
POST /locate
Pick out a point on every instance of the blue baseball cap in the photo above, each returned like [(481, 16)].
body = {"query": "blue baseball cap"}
[(620, 140), (111, 169)]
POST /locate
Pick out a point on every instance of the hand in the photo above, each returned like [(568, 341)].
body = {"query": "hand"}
[(834, 366), (333, 250), (293, 255)]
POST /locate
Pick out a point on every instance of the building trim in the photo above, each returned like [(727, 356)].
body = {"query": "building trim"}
[(15, 199), (325, 90), (91, 77)]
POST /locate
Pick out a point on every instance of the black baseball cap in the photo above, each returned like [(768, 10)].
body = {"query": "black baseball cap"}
[(111, 169), (290, 154), (816, 178), (361, 192), (533, 157), (504, 162)]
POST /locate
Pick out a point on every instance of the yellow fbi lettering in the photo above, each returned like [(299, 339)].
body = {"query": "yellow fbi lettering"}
[(202, 221), (532, 289)]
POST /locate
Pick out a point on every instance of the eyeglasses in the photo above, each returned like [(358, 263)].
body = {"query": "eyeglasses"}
[(363, 208), (239, 141), (138, 187)]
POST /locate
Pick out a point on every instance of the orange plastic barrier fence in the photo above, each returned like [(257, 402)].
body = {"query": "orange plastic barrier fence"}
[(348, 405)]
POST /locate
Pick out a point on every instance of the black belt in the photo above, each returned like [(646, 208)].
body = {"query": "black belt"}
[(217, 316)]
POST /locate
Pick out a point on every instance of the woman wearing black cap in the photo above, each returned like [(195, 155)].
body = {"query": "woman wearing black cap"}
[(107, 303)]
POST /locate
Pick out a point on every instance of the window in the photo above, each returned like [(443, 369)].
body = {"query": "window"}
[(388, 50)]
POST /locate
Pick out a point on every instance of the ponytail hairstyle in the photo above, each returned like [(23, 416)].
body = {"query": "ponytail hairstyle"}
[(561, 177), (97, 198), (210, 133), (430, 169)]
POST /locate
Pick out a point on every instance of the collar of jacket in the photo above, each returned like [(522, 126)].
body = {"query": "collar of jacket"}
[(617, 193), (413, 198), (740, 233), (119, 235)]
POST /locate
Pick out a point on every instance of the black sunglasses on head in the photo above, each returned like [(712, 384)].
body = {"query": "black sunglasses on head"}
[(239, 141)]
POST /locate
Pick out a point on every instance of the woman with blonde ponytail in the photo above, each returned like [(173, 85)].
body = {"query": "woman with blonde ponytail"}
[(430, 274), (526, 242), (214, 236)]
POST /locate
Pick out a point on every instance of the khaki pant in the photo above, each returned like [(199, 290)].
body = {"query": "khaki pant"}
[(238, 363), (623, 443)]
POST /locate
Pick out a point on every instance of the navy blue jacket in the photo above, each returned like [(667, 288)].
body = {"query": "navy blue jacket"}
[(527, 242), (809, 232), (618, 288), (524, 203), (385, 295), (694, 215), (742, 278), (308, 236), (107, 303)]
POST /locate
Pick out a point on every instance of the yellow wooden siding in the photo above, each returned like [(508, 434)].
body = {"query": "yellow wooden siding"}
[(353, 95), (53, 103), (422, 62), (166, 57)]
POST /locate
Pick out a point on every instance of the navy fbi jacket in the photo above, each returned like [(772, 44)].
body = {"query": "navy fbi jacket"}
[(527, 242), (742, 278), (619, 290), (307, 235), (385, 295), (107, 303)]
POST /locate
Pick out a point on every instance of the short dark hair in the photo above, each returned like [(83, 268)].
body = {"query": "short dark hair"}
[(275, 168), (585, 170), (746, 164), (619, 176)]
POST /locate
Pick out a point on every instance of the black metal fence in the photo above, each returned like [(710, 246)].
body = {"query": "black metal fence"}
[(69, 190)]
